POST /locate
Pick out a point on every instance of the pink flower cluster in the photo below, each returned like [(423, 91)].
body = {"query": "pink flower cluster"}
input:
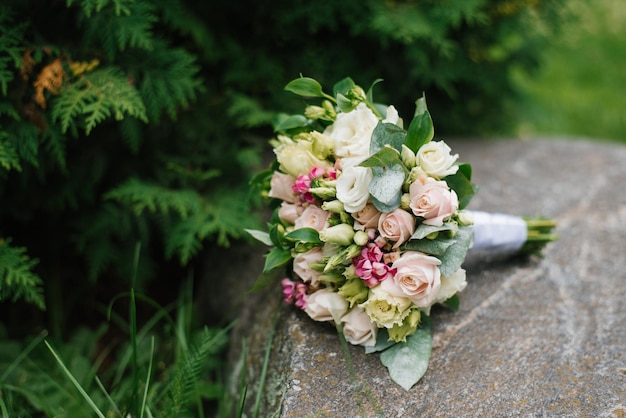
[(294, 292), (304, 182), (370, 266)]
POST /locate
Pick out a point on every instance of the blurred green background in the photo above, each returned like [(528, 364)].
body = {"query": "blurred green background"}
[(579, 90)]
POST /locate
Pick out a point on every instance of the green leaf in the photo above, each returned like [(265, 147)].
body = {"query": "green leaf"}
[(264, 280), (370, 91), (460, 182), (306, 87), (437, 246), (387, 134), (453, 302), (421, 129), (386, 186), (291, 122), (308, 235), (275, 258), (262, 236), (384, 157), (407, 362), (343, 86)]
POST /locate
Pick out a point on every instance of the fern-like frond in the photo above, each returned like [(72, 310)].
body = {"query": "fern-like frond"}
[(9, 159), (142, 196), (17, 279), (96, 97), (168, 80), (54, 143), (120, 7), (189, 368), (11, 35), (25, 141)]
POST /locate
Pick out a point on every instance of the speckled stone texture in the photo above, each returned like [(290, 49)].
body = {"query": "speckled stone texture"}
[(532, 337)]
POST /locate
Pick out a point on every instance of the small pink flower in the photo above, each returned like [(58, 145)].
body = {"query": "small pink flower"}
[(369, 266), (302, 184), (317, 172), (294, 291), (332, 173)]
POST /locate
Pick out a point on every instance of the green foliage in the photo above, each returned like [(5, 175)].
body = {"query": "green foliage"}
[(17, 279)]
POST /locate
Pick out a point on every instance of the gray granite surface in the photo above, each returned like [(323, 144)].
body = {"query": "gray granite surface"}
[(533, 337)]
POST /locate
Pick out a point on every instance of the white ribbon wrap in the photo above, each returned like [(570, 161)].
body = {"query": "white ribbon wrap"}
[(498, 232)]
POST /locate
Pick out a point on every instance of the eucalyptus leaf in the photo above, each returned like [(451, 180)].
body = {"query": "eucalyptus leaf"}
[(423, 230), (437, 246), (305, 86), (421, 129), (262, 236), (382, 342), (387, 134), (309, 235), (455, 255), (384, 157), (407, 362), (386, 186)]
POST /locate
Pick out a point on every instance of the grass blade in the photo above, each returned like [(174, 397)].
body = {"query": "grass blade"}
[(145, 392), (74, 381)]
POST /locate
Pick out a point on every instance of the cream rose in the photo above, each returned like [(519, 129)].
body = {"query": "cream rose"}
[(280, 187), (297, 157), (450, 286), (385, 309), (312, 217), (352, 133), (435, 159), (432, 200), (325, 305), (417, 278), (368, 216), (301, 265), (397, 226), (358, 328), (353, 188)]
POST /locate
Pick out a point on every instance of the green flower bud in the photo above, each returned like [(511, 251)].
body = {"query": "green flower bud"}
[(399, 333), (341, 234), (314, 112), (323, 192), (465, 219), (330, 110), (323, 146), (354, 291), (405, 201)]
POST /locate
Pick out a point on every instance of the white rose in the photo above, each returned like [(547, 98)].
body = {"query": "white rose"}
[(353, 188), (326, 305), (358, 328), (450, 286), (435, 159), (352, 133)]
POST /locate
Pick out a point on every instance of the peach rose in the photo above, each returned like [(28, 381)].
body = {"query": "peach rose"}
[(417, 278), (358, 328), (289, 212), (432, 200), (368, 216), (313, 217), (325, 305), (280, 187), (301, 265), (397, 226)]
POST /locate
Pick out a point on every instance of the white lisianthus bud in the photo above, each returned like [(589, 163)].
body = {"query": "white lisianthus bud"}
[(408, 157), (361, 238), (465, 218), (314, 112), (353, 187), (323, 192), (333, 206), (405, 201), (341, 234)]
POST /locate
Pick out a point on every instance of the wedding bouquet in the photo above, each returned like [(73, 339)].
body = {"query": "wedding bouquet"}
[(369, 225)]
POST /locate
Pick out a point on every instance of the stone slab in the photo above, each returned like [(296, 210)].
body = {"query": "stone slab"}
[(532, 337)]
